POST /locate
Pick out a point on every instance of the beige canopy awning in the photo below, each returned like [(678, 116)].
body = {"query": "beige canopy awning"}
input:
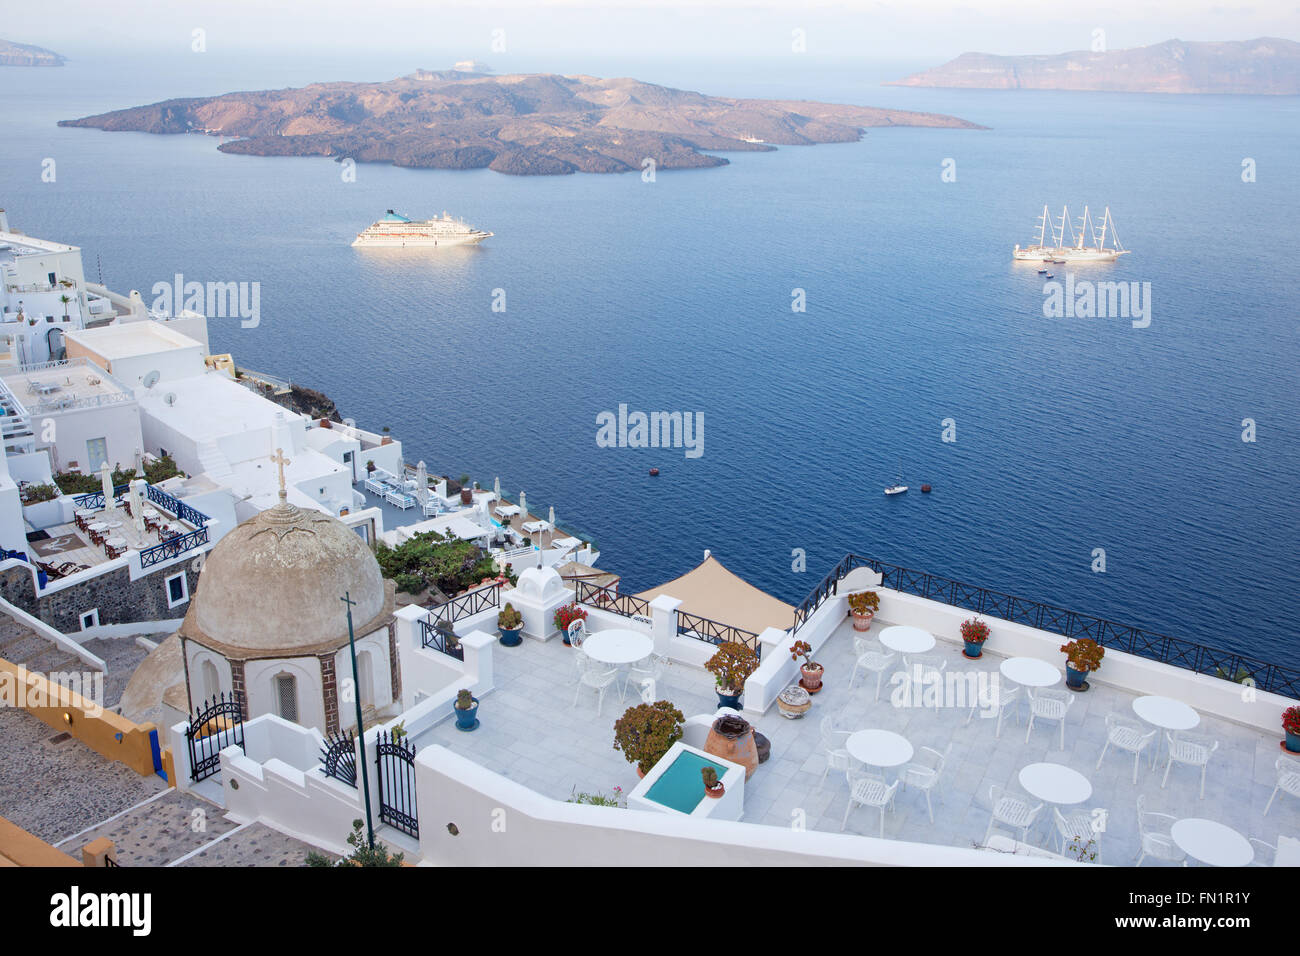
[(711, 591), (572, 571)]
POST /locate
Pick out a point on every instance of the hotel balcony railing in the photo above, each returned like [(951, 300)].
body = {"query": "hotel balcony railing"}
[(449, 612), (715, 632), (1138, 641), (608, 599)]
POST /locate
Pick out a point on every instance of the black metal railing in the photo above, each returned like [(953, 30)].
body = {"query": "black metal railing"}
[(173, 547), (715, 632), (109, 861), (218, 724), (339, 758), (467, 604), (608, 599), (1130, 639)]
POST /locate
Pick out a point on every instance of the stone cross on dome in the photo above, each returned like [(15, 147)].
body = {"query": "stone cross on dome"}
[(279, 459)]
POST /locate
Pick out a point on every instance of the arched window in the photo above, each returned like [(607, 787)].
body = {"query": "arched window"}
[(286, 696), (211, 682)]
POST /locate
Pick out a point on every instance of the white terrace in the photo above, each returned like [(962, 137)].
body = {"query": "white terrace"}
[(534, 749)]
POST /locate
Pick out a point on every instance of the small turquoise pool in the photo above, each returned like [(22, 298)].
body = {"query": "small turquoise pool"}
[(681, 787)]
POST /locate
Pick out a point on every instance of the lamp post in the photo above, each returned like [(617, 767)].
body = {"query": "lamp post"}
[(361, 731)]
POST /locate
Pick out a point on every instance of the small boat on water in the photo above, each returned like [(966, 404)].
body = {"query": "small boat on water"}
[(896, 489)]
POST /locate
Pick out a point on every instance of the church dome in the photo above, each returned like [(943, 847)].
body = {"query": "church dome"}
[(273, 585)]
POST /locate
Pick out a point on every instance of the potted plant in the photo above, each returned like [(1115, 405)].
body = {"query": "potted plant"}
[(974, 632), (645, 733), (1082, 657), (449, 639), (811, 670), (466, 710), (863, 606), (466, 494), (387, 439), (511, 623), (565, 615), (712, 785), (370, 467), (1291, 725), (731, 666)]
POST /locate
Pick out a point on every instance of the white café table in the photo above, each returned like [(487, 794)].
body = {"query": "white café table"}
[(907, 640), (618, 646), (878, 748), (1029, 672), (1167, 714), (1211, 842), (1055, 783)]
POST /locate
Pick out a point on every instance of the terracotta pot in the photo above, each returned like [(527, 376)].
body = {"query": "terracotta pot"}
[(793, 702), (812, 678), (467, 496), (732, 738), (640, 773), (716, 792), (862, 621)]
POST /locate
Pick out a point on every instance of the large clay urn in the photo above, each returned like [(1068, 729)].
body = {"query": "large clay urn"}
[(732, 738)]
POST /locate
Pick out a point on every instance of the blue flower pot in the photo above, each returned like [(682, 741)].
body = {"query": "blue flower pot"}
[(511, 638), (974, 649), (1074, 679), (729, 700), (466, 719), (1293, 743)]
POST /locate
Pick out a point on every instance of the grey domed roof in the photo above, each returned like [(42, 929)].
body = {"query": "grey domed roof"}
[(273, 585)]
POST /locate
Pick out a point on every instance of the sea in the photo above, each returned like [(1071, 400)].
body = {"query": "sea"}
[(837, 316)]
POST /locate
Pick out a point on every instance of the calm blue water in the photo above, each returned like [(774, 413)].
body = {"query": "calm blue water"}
[(1073, 434)]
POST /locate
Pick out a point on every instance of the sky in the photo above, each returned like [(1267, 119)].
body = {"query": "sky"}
[(533, 32)]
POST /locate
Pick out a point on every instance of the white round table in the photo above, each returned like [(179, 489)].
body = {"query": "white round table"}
[(1029, 672), (1055, 783), (907, 640), (878, 748), (618, 646), (1212, 842), (1166, 712)]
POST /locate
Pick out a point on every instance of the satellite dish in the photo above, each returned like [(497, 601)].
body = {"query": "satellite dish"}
[(151, 379), (170, 398)]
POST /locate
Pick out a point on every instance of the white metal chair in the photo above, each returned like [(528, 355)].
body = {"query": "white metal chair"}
[(1288, 779), (1156, 840), (1045, 704), (594, 676), (918, 670), (1075, 829), (1012, 811), (1006, 698), (1265, 853), (925, 772), (577, 632), (1127, 735), (866, 790), (1192, 750), (872, 657), (651, 668), (837, 758)]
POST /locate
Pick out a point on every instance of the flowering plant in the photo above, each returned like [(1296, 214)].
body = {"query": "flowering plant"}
[(803, 649), (1291, 720), (974, 631), (1085, 654), (566, 614), (864, 601)]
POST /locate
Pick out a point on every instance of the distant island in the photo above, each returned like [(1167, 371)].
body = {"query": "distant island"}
[(22, 54), (536, 124), (1266, 65)]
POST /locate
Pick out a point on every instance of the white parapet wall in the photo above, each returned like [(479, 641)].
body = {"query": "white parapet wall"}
[(470, 816), (428, 673)]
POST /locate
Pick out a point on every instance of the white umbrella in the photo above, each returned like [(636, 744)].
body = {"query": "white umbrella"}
[(496, 487), (421, 482), (523, 504), (551, 518), (106, 474), (137, 504)]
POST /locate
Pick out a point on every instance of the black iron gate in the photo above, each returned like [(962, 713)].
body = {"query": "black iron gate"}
[(217, 725), (339, 758), (396, 760)]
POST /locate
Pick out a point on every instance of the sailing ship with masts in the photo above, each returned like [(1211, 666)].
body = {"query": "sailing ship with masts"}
[(1086, 243)]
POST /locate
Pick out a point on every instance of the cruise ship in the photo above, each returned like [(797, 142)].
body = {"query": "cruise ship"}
[(395, 230), (1086, 243)]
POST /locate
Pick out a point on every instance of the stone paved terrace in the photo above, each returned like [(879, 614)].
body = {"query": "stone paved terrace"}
[(530, 733)]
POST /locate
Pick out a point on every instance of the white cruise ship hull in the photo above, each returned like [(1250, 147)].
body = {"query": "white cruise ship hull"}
[(1034, 254), (420, 241)]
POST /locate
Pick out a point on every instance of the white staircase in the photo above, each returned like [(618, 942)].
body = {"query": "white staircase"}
[(213, 461)]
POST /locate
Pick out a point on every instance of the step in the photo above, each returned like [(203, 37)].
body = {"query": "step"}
[(254, 845), (159, 832)]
